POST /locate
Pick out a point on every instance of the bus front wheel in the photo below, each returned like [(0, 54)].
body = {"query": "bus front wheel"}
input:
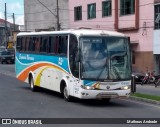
[(66, 95)]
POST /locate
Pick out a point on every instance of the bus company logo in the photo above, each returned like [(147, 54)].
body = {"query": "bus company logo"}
[(108, 87), (60, 61), (6, 121), (125, 83)]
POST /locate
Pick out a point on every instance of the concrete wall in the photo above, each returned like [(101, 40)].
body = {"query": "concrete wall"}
[(38, 17)]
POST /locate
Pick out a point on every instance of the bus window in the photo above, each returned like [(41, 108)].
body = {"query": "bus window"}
[(63, 45), (19, 44), (37, 44), (23, 44), (57, 45), (27, 41), (73, 46), (32, 44), (51, 45), (44, 43)]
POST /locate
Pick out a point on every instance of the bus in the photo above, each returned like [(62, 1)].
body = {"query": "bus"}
[(81, 63)]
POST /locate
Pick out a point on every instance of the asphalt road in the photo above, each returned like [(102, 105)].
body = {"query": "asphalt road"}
[(18, 101)]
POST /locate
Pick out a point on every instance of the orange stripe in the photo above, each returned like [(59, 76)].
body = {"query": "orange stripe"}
[(23, 76)]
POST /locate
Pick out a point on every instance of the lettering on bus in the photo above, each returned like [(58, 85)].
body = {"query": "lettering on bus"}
[(26, 57)]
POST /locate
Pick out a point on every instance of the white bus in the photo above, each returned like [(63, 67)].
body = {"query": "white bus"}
[(86, 64)]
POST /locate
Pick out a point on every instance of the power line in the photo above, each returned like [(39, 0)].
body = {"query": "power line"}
[(66, 9), (56, 15), (47, 8)]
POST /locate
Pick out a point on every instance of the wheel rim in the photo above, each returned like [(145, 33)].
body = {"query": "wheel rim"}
[(65, 92)]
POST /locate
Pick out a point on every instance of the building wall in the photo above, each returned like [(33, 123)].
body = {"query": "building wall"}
[(38, 17), (138, 26), (156, 44), (98, 22)]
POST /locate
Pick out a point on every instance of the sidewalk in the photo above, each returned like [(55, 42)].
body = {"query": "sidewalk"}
[(149, 89)]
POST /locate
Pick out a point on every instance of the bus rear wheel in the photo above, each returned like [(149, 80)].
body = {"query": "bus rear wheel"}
[(32, 86)]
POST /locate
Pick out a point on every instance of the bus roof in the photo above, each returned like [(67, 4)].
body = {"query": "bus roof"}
[(78, 32)]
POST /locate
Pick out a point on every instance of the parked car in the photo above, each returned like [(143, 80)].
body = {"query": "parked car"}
[(138, 77), (7, 57)]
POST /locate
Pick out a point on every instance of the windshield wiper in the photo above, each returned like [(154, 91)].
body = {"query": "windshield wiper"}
[(116, 72), (105, 65)]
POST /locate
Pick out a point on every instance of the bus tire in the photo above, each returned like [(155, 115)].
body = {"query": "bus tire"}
[(66, 96), (32, 86), (106, 100)]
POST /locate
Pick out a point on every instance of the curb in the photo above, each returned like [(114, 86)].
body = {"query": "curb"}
[(144, 100)]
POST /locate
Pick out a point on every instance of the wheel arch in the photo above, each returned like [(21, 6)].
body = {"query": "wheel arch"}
[(64, 83)]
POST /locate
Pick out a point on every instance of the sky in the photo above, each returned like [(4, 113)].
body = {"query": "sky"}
[(13, 6)]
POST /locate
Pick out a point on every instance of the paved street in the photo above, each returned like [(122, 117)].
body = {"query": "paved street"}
[(17, 101)]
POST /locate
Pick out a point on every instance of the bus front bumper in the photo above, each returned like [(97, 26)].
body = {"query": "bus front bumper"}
[(101, 94)]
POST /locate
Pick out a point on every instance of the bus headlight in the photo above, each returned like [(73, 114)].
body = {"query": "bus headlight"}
[(125, 87), (87, 87)]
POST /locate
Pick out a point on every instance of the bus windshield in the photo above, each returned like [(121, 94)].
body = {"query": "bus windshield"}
[(105, 58)]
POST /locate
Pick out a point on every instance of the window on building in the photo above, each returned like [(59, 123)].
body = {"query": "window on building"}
[(106, 8), (91, 11), (157, 16), (78, 13), (127, 7)]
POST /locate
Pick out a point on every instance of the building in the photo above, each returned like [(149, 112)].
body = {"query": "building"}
[(135, 18), (156, 38), (42, 14), (7, 35)]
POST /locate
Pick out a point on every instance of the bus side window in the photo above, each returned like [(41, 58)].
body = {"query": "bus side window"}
[(23, 44), (27, 41), (57, 45), (33, 44), (37, 44), (63, 45), (51, 45), (18, 45), (44, 44)]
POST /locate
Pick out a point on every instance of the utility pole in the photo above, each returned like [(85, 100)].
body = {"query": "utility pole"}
[(6, 29), (14, 22), (56, 15), (58, 24)]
